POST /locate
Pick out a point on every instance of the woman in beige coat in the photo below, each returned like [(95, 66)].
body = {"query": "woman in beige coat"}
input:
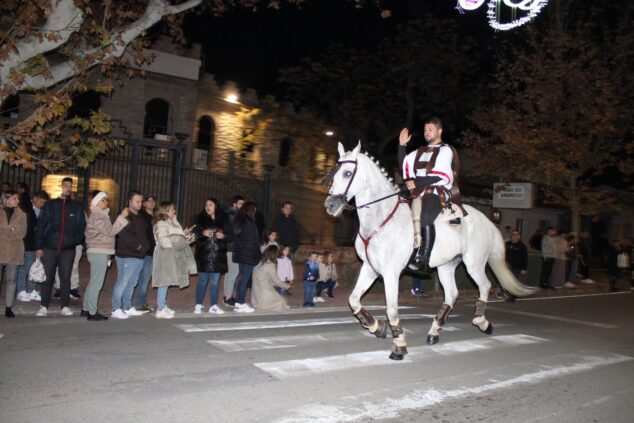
[(12, 231), (264, 297), (100, 243), (173, 259)]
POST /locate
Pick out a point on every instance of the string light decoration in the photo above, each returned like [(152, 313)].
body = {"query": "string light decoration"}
[(531, 7)]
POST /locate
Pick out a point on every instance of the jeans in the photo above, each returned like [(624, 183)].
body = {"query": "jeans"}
[(231, 275), (55, 262), (327, 286), (140, 293), (24, 283), (161, 297), (205, 278), (547, 269), (98, 267), (245, 272), (10, 274), (309, 292), (417, 285), (128, 270)]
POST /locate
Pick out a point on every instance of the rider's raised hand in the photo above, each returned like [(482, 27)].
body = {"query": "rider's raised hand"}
[(404, 136)]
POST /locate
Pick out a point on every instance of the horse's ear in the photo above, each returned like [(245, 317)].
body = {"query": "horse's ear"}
[(341, 150), (356, 150)]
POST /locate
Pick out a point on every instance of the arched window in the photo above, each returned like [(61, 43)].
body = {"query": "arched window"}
[(206, 129), (84, 104), (10, 107), (285, 152), (156, 120)]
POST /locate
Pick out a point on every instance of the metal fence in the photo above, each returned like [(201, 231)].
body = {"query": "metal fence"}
[(155, 168)]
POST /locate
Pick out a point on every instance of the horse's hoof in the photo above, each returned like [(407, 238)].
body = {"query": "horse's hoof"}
[(489, 329), (397, 357), (432, 339)]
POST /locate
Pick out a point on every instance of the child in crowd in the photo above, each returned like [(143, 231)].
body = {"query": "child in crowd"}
[(285, 268), (327, 275), (311, 276), (271, 239)]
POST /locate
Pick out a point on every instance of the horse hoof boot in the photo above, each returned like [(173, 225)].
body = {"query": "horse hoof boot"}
[(432, 339), (489, 329), (381, 330), (396, 357)]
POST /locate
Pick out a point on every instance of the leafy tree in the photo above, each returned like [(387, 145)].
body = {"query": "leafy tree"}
[(57, 49), (427, 67), (559, 109)]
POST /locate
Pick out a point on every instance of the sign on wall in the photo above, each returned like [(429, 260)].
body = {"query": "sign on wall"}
[(513, 195)]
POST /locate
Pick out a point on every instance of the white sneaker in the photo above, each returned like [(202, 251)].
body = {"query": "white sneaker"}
[(569, 285), (198, 309), (318, 300), (214, 309), (169, 310), (587, 281), (119, 314), (35, 296), (66, 312), (42, 312), (23, 296), (243, 308), (134, 312), (164, 314)]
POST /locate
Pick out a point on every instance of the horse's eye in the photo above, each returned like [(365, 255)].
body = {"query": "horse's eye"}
[(347, 173)]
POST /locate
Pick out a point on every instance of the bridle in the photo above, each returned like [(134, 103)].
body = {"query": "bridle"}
[(344, 197)]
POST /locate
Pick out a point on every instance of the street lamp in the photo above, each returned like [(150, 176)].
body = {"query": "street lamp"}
[(232, 98), (329, 133)]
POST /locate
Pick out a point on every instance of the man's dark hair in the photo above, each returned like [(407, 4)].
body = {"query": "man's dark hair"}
[(67, 179), (42, 194), (435, 121), (237, 198), (24, 186), (132, 194), (286, 202)]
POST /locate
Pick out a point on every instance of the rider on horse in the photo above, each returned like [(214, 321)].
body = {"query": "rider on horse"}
[(430, 174)]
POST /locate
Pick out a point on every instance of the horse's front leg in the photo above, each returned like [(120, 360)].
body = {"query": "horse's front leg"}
[(366, 277), (399, 346), (446, 275)]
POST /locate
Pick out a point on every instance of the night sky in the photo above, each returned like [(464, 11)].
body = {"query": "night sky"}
[(249, 48)]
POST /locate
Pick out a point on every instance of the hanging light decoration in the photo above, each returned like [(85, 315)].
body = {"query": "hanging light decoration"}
[(531, 7)]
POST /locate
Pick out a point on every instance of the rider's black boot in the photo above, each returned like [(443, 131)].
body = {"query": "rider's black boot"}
[(420, 256)]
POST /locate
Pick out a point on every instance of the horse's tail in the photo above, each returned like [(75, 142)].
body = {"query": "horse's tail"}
[(501, 270)]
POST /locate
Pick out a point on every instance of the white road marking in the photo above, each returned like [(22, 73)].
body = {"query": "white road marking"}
[(311, 366), (266, 343), (564, 297), (417, 399), (557, 318), (276, 324)]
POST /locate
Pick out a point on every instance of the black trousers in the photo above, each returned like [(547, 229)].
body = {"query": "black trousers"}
[(63, 263), (547, 269), (430, 208)]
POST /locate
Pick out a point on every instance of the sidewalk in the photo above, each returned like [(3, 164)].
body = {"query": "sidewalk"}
[(183, 301)]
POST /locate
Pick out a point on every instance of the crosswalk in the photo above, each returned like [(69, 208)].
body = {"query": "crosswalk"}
[(327, 347)]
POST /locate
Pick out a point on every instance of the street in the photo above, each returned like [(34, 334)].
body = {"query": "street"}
[(554, 359)]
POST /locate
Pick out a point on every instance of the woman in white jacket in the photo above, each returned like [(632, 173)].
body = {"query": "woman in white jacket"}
[(100, 242), (173, 259)]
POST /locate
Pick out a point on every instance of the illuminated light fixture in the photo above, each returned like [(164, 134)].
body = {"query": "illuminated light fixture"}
[(470, 4), (232, 98), (329, 133), (532, 7)]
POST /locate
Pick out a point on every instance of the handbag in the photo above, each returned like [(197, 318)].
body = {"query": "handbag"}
[(622, 260), (36, 272)]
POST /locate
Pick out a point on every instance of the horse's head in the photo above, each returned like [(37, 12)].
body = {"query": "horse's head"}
[(344, 184)]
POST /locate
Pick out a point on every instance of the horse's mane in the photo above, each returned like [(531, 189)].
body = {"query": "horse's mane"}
[(377, 166)]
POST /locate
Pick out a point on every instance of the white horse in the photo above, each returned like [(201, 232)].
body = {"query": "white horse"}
[(386, 239)]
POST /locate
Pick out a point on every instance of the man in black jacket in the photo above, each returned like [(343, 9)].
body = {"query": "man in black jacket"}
[(26, 287), (60, 228), (132, 246), (516, 257), (140, 293), (287, 227)]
